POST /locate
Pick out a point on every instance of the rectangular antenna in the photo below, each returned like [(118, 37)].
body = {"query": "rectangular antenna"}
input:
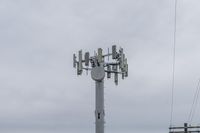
[(78, 72), (122, 61), (80, 66), (115, 69), (100, 56), (108, 54), (114, 51), (126, 70), (116, 78), (74, 60), (125, 63), (87, 58), (125, 67)]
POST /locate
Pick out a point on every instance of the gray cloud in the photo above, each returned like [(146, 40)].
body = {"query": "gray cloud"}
[(39, 89)]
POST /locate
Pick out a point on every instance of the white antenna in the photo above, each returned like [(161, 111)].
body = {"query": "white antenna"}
[(108, 54), (99, 67)]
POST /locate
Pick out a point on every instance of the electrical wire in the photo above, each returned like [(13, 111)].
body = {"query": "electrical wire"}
[(194, 103), (173, 63)]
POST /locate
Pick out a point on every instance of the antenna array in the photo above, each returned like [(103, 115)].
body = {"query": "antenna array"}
[(118, 64)]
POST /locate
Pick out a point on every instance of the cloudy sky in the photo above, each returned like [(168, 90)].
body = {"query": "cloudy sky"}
[(40, 91)]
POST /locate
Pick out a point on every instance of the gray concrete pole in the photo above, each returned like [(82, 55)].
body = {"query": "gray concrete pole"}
[(99, 112)]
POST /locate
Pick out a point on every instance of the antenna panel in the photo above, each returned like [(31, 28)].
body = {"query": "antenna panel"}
[(121, 51), (125, 63), (114, 51), (74, 60), (100, 56), (122, 61), (115, 69), (126, 70), (87, 58), (78, 72), (125, 67), (108, 54), (116, 78), (80, 66)]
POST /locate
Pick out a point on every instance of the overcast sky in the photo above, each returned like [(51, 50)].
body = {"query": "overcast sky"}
[(40, 91)]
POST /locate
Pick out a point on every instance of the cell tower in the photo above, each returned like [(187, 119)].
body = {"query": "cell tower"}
[(99, 67)]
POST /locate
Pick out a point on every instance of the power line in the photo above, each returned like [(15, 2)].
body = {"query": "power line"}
[(194, 103), (173, 66)]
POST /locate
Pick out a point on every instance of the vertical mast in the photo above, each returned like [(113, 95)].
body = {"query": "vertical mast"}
[(99, 67), (99, 107)]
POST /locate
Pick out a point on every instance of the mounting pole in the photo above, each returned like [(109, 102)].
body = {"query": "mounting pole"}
[(185, 127), (99, 68), (99, 111), (98, 74)]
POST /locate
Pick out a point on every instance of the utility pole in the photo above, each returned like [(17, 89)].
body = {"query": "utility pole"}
[(99, 67), (185, 129)]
